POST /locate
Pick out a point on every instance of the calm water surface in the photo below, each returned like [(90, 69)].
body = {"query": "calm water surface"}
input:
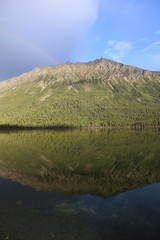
[(66, 185)]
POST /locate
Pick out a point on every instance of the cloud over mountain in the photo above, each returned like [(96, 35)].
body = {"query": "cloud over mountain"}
[(118, 49), (35, 33)]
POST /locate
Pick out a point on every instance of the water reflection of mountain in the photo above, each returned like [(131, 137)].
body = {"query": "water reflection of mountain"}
[(96, 162)]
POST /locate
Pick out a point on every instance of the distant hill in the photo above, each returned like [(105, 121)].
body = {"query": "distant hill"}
[(97, 93)]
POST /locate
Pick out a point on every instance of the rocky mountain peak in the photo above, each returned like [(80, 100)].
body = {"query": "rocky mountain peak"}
[(100, 70)]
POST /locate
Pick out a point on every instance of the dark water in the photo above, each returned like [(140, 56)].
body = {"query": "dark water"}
[(66, 185)]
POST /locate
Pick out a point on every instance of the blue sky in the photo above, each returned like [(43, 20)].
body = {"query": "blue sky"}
[(46, 32), (127, 31)]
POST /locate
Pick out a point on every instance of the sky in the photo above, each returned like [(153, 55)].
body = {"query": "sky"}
[(49, 32)]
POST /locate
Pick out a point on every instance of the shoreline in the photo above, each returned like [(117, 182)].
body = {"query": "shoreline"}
[(89, 127)]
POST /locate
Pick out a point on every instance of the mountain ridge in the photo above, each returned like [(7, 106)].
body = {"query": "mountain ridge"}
[(82, 94), (99, 64)]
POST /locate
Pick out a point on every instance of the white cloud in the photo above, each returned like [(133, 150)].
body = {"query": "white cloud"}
[(111, 42), (118, 49), (143, 39), (158, 32), (42, 32), (152, 46), (152, 55)]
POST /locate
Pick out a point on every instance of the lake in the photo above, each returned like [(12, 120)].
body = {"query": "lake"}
[(80, 184)]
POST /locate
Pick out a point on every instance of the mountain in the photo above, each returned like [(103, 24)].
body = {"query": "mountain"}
[(97, 93)]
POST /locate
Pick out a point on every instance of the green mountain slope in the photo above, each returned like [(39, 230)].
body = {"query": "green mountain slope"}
[(99, 93)]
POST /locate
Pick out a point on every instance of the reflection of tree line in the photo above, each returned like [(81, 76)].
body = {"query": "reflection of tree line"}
[(101, 162), (29, 127)]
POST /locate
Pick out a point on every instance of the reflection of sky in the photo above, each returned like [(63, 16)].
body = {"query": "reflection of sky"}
[(131, 215)]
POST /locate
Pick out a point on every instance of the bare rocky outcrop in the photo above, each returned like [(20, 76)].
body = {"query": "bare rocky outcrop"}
[(101, 70)]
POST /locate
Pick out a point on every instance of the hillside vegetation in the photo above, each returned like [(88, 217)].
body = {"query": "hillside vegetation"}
[(98, 93)]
